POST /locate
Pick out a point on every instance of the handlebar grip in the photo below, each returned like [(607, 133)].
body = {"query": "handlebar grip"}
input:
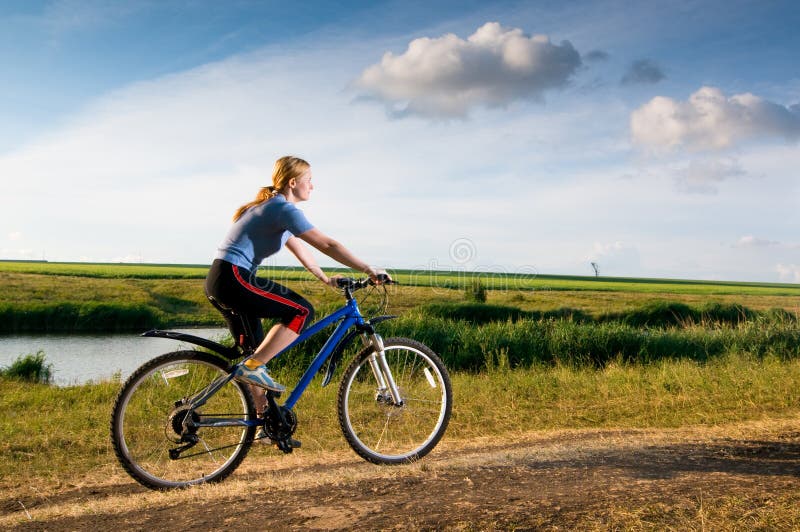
[(384, 279), (349, 282), (344, 282)]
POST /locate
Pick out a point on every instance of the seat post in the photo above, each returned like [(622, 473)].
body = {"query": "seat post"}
[(246, 340)]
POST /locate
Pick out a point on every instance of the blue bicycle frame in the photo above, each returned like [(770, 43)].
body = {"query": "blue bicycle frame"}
[(349, 315)]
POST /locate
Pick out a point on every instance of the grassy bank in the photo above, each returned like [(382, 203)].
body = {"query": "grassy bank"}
[(62, 433), (29, 368), (523, 343), (654, 313), (472, 337), (43, 303)]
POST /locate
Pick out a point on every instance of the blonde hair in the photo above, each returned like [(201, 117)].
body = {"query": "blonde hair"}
[(285, 169)]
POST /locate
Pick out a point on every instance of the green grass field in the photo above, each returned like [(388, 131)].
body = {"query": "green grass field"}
[(670, 393), (542, 354)]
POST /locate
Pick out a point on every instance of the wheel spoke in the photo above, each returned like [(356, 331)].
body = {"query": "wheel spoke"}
[(208, 450), (147, 424), (382, 432)]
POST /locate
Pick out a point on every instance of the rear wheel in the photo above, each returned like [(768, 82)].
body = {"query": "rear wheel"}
[(149, 421), (377, 429)]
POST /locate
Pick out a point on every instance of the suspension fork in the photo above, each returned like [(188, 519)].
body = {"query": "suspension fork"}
[(380, 368)]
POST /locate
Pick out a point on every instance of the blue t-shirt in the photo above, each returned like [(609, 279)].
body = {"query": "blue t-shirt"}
[(262, 231)]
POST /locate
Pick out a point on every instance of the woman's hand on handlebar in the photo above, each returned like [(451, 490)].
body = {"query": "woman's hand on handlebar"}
[(333, 281), (376, 277), (379, 276)]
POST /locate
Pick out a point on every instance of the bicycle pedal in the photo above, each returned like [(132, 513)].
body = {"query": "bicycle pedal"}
[(288, 445)]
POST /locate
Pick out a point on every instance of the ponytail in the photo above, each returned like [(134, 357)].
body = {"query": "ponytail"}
[(286, 169), (264, 194)]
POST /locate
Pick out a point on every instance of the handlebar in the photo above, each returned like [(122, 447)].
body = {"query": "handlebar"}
[(358, 284)]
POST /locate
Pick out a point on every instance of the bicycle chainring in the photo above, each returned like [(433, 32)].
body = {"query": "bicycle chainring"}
[(280, 430)]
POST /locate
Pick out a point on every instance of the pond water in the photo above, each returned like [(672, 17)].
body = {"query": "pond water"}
[(80, 358)]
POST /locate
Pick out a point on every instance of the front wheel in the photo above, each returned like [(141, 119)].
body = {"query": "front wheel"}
[(381, 431), (150, 421)]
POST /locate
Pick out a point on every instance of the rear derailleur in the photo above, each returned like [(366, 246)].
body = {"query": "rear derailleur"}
[(181, 428)]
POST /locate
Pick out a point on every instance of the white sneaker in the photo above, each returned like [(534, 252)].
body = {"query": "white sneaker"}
[(259, 377)]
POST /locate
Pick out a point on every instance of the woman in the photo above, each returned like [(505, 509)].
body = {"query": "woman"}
[(260, 229)]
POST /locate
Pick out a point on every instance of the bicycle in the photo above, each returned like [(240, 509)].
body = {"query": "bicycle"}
[(180, 419)]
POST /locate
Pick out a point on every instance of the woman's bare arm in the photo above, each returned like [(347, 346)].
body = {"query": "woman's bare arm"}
[(306, 258), (335, 250)]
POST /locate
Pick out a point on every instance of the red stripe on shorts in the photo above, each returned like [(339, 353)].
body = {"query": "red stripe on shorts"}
[(297, 322)]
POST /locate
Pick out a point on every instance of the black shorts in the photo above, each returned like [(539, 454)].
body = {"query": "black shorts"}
[(232, 288)]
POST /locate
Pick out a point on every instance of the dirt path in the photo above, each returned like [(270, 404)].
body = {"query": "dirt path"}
[(732, 477)]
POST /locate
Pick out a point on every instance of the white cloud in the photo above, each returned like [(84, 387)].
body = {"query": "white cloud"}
[(788, 273), (447, 76), (703, 175), (750, 241), (710, 121), (222, 121), (14, 235)]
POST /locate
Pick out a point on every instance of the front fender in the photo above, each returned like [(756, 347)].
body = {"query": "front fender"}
[(336, 356)]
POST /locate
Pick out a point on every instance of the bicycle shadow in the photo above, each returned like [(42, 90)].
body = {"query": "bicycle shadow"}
[(751, 457)]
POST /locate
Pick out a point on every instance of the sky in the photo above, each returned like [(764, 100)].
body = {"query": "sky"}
[(655, 139)]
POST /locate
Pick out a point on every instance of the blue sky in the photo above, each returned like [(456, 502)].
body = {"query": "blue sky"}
[(657, 139)]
